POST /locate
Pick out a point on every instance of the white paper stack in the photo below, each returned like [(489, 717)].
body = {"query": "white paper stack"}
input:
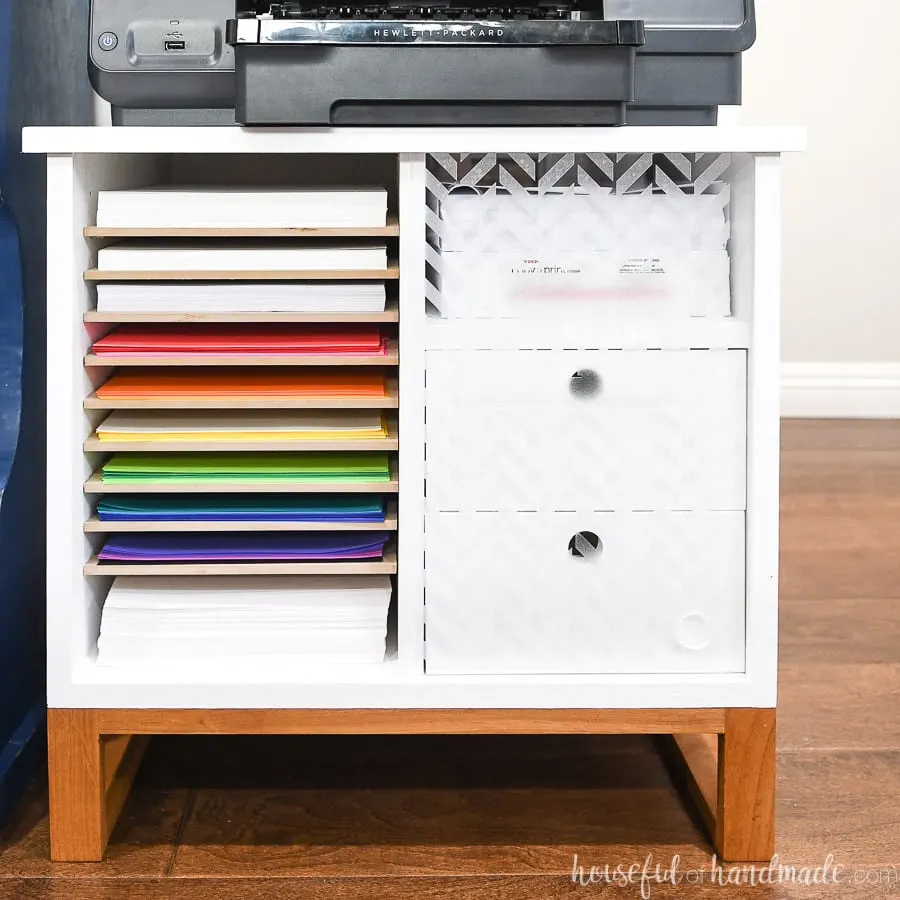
[(243, 207), (241, 256), (242, 297), (334, 619)]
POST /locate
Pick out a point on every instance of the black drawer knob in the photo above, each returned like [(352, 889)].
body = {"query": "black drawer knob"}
[(585, 544), (585, 383)]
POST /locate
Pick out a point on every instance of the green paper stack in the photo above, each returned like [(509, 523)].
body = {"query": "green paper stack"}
[(240, 468)]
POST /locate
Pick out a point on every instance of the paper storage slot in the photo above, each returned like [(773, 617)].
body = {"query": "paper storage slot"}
[(590, 593), (600, 430), (579, 236)]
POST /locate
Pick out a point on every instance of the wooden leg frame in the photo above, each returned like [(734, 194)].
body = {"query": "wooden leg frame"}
[(727, 757)]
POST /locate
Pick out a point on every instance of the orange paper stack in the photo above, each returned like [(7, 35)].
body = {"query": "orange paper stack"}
[(245, 383), (251, 339)]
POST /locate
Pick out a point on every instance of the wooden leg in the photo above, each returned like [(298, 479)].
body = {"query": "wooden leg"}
[(89, 776), (77, 808), (745, 808), (731, 778)]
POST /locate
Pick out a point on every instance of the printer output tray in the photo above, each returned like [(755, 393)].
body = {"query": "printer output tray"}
[(419, 85)]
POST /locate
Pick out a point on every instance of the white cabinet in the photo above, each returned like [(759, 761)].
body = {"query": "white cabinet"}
[(533, 419)]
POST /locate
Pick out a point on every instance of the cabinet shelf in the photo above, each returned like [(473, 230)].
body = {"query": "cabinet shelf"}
[(391, 314), (391, 229), (392, 272)]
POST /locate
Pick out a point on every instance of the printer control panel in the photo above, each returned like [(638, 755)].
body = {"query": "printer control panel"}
[(162, 54), (163, 35)]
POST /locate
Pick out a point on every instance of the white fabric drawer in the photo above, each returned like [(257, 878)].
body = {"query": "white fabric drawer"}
[(513, 430), (664, 593)]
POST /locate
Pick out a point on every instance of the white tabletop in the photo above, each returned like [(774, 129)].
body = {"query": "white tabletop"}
[(721, 139)]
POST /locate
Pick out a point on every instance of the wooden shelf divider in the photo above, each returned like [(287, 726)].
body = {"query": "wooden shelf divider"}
[(391, 229), (392, 272), (391, 314)]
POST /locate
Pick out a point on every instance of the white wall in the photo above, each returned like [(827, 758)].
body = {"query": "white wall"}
[(836, 69)]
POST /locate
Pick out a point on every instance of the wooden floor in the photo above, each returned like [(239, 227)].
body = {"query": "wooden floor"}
[(502, 817)]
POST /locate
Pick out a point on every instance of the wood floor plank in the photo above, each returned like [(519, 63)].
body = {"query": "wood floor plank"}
[(840, 434), (142, 843), (822, 706), (839, 802), (444, 813), (830, 575), (494, 887), (833, 523), (840, 631), (411, 833)]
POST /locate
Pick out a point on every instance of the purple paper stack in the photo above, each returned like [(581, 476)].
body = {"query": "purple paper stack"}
[(241, 547)]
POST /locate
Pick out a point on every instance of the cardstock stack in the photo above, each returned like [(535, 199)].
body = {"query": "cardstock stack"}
[(243, 207), (323, 508), (244, 425), (242, 547), (198, 297), (263, 384), (224, 469), (241, 256), (252, 338), (338, 619)]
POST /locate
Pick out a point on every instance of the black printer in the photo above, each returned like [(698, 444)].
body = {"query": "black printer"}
[(397, 62)]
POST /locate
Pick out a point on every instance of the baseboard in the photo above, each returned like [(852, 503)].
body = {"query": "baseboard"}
[(840, 390)]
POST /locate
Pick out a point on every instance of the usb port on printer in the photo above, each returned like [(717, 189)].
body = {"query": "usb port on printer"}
[(175, 45)]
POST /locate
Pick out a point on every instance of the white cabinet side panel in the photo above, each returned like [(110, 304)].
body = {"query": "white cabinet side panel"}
[(763, 449)]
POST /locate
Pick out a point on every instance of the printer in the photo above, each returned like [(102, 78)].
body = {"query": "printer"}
[(400, 62)]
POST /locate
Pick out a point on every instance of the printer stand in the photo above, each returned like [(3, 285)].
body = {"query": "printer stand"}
[(583, 485), (725, 758)]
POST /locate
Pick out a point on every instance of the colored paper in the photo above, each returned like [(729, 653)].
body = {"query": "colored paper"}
[(225, 468), (237, 547), (241, 507), (251, 338), (244, 383), (246, 425)]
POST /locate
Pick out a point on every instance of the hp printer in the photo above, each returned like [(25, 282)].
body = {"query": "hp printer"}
[(397, 62)]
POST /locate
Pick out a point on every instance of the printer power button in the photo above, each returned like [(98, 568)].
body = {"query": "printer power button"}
[(108, 41)]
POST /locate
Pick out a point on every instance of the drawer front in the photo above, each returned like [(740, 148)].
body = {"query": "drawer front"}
[(654, 593), (585, 430)]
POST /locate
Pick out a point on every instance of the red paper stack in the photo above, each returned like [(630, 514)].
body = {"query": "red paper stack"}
[(253, 339)]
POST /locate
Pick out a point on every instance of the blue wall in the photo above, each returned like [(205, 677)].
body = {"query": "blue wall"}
[(43, 46)]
